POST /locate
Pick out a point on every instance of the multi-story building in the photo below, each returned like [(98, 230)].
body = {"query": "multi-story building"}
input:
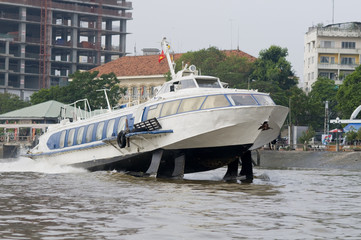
[(43, 41), (331, 51)]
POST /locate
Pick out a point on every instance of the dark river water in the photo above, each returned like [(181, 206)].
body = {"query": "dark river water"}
[(41, 201)]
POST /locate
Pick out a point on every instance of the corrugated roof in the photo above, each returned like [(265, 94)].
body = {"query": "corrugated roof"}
[(49, 109)]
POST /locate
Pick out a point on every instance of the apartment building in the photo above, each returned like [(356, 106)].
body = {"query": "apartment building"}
[(331, 51), (43, 41)]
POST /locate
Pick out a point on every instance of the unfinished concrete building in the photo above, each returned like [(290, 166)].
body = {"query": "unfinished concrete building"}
[(43, 41)]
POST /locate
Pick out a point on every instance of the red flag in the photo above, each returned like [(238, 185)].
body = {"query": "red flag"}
[(161, 56)]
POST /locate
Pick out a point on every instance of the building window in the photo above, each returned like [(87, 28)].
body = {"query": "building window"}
[(348, 61), (327, 44), (349, 45), (326, 59)]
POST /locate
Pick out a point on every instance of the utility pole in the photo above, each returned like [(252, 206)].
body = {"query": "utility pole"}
[(325, 128)]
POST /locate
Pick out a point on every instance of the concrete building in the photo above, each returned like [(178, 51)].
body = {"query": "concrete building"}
[(331, 51), (43, 41)]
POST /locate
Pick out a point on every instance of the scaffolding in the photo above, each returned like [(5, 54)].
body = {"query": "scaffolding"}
[(51, 39), (44, 44)]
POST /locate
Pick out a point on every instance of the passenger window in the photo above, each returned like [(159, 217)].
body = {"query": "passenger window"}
[(191, 104), (71, 137), (110, 128), (62, 139), (79, 137), (89, 133), (99, 133), (170, 108), (154, 111), (241, 99), (215, 101), (121, 124), (189, 83), (264, 100)]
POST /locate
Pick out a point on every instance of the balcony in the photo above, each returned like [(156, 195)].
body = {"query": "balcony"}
[(339, 51), (337, 66)]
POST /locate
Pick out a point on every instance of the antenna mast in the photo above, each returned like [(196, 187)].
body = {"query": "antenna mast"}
[(333, 11)]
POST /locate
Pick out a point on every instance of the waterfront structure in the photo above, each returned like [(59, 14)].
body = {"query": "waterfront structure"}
[(43, 41), (331, 51)]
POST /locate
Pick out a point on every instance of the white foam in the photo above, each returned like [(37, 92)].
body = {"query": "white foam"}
[(23, 164)]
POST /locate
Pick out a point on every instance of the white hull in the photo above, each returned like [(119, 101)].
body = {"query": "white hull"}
[(198, 125), (207, 129)]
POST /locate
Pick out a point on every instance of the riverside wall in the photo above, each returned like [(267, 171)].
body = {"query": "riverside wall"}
[(309, 159)]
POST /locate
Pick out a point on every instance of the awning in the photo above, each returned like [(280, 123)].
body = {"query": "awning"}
[(335, 130), (352, 127)]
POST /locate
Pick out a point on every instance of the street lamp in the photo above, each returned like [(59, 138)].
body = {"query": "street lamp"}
[(337, 141)]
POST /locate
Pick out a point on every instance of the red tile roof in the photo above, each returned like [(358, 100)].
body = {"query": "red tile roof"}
[(239, 53), (136, 66), (147, 65)]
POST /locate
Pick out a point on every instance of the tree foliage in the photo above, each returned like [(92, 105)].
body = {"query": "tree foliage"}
[(307, 135), (10, 102), (349, 94), (272, 66), (231, 69), (83, 85), (323, 90)]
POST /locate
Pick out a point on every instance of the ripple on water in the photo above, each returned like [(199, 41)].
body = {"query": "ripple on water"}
[(279, 204)]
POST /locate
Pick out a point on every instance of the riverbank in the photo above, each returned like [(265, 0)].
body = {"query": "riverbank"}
[(310, 159)]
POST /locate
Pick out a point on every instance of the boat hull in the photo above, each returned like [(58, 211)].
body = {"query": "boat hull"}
[(206, 139), (195, 160)]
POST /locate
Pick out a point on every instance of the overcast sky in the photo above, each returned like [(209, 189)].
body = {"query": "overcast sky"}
[(253, 25)]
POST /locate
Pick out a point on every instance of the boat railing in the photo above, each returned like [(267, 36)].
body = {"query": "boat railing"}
[(76, 112)]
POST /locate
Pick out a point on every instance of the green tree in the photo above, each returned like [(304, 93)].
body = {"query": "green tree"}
[(349, 93), (83, 85), (351, 136), (302, 109), (272, 66), (358, 137), (231, 69), (10, 102), (323, 90), (306, 136)]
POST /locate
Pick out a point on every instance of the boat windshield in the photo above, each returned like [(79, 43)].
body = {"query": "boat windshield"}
[(208, 83)]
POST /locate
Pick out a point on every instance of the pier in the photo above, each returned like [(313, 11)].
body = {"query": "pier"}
[(14, 137)]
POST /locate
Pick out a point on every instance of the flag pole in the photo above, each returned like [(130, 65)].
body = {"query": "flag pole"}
[(165, 48)]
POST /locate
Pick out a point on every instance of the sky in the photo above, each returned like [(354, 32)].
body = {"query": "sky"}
[(253, 25)]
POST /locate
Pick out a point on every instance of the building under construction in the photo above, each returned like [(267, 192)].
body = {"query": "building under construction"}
[(43, 41)]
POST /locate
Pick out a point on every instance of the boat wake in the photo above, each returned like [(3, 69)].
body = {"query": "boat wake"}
[(23, 164)]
